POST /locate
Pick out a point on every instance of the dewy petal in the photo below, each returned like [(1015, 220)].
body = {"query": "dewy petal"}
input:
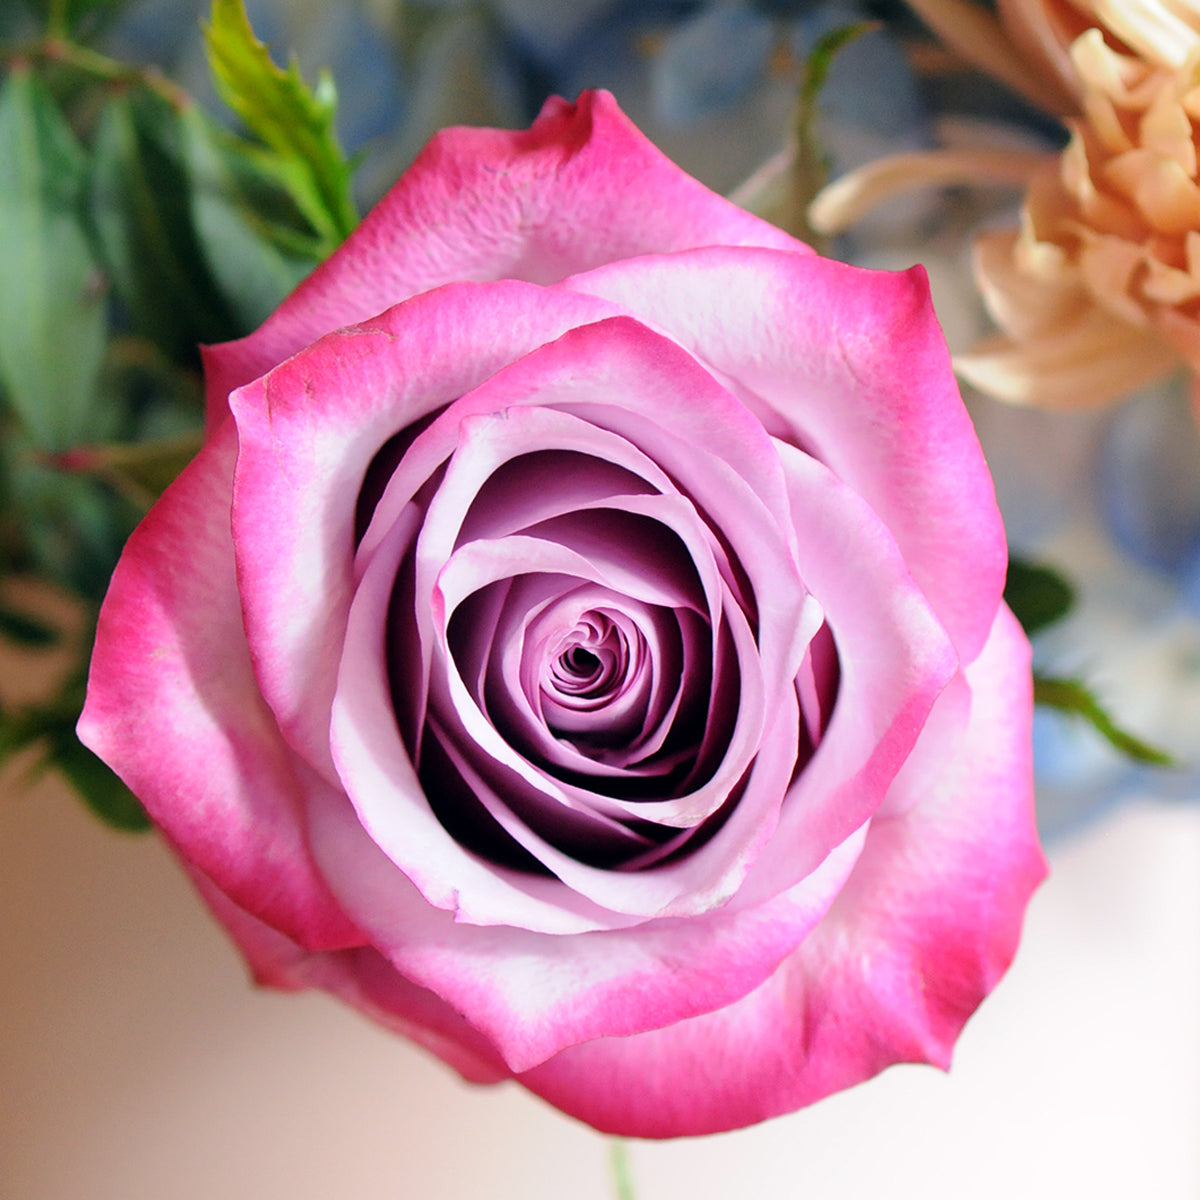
[(173, 707), (814, 346), (485, 204), (924, 928)]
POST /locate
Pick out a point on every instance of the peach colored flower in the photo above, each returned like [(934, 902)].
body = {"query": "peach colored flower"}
[(1098, 290)]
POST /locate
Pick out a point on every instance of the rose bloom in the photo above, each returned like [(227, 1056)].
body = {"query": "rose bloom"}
[(579, 644)]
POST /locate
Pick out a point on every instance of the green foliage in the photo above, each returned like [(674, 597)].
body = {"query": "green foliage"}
[(100, 788), (50, 728), (74, 17), (24, 629), (1072, 696), (51, 292), (1038, 595), (139, 471), (816, 70), (294, 123), (132, 229), (139, 204), (72, 526), (256, 243)]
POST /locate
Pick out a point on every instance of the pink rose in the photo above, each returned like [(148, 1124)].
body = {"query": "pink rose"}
[(579, 644)]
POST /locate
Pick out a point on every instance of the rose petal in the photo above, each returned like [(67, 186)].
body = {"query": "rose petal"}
[(533, 993), (363, 978), (767, 323), (307, 434), (894, 661), (170, 668), (922, 931), (483, 204)]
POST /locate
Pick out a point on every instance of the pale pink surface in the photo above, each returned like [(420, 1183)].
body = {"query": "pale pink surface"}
[(350, 660), (925, 901), (480, 204)]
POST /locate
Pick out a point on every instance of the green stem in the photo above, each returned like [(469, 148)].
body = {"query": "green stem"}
[(809, 171), (54, 48), (618, 1164), (56, 19)]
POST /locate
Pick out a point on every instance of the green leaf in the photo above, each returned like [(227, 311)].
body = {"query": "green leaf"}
[(74, 16), (52, 311), (255, 248), (140, 471), (809, 169), (141, 213), (1072, 696), (53, 725), (101, 790), (816, 70), (24, 629), (1037, 595), (295, 122), (72, 526)]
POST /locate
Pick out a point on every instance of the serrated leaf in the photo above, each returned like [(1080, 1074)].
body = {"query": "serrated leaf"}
[(140, 210), (1038, 595), (296, 122), (1072, 696), (52, 312), (255, 259)]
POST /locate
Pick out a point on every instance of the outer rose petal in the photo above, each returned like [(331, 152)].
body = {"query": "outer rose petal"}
[(173, 708), (922, 931), (534, 993), (852, 365), (362, 977), (479, 204), (306, 435)]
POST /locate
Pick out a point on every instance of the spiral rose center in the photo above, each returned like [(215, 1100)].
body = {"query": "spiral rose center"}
[(588, 666), (594, 689)]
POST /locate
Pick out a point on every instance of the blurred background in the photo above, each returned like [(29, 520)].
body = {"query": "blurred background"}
[(139, 1064)]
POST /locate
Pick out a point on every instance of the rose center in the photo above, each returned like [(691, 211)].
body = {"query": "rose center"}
[(589, 665)]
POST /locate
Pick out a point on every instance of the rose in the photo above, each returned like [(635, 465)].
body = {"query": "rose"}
[(597, 671)]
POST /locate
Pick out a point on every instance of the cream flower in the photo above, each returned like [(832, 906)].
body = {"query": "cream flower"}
[(1098, 291)]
